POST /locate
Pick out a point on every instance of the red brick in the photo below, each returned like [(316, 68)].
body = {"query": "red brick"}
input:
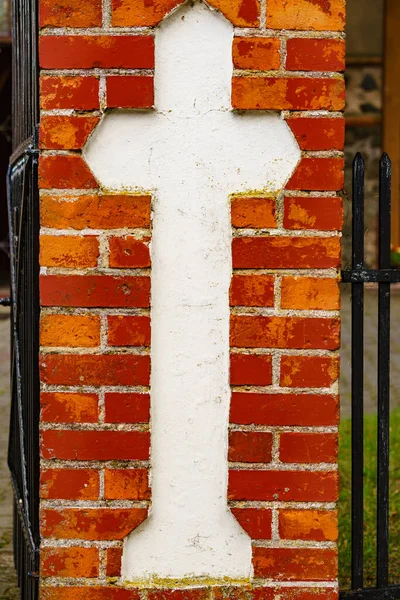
[(325, 214), (65, 132), (88, 593), (281, 252), (69, 562), (128, 331), (70, 13), (114, 560), (241, 592), (294, 93), (65, 172), (257, 522), (129, 253), (303, 410), (69, 91), (126, 484), (92, 369), (256, 53), (316, 174), (177, 594), (252, 290), (284, 332), (308, 447), (251, 369), (318, 133), (318, 525), (310, 293), (250, 447), (69, 407), (289, 486), (309, 371), (69, 251), (91, 523), (95, 291), (127, 408), (127, 91), (318, 15), (253, 212), (73, 331), (95, 445), (310, 54), (95, 212), (101, 51), (69, 484), (291, 564)]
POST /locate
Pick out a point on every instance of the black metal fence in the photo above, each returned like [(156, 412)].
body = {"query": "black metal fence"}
[(384, 276)]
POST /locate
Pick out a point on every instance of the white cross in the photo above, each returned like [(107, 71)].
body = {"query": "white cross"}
[(191, 153)]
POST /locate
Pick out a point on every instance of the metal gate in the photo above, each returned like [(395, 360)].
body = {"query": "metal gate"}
[(23, 211), (384, 276)]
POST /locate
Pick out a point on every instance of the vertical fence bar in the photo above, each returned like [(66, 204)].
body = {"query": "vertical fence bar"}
[(382, 563), (357, 379)]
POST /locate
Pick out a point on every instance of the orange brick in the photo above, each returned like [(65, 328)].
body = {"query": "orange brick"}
[(126, 484), (95, 212), (257, 54), (69, 562), (309, 371), (309, 293), (318, 15), (318, 525), (75, 331), (253, 212), (92, 592), (65, 172), (315, 133), (129, 253), (308, 447), (69, 484), (250, 447), (318, 174), (252, 290), (294, 93), (69, 407), (255, 521), (295, 564), (309, 54), (128, 330), (325, 214), (70, 13), (69, 251), (69, 91), (124, 91), (65, 133)]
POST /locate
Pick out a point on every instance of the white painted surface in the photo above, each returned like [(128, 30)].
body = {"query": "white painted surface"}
[(192, 152)]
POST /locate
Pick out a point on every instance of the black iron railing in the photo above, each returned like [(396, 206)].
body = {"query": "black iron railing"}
[(384, 276)]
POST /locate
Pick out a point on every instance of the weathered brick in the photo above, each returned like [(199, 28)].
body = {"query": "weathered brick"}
[(310, 54), (114, 560), (318, 525), (65, 132), (252, 290), (69, 251), (309, 293), (69, 562), (91, 523), (126, 484), (75, 331), (303, 410), (69, 407), (309, 371), (69, 91), (95, 212), (290, 486), (257, 522), (92, 369), (178, 594), (256, 53), (127, 408), (241, 13), (95, 291), (291, 564), (95, 445), (250, 447), (129, 253), (283, 252), (325, 214), (284, 332), (315, 133), (69, 484), (128, 330), (251, 369), (70, 13), (318, 15), (316, 174), (253, 212), (88, 593), (308, 447), (125, 91), (65, 172), (89, 51), (294, 93)]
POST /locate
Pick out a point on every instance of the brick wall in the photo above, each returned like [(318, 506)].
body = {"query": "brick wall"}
[(95, 297)]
